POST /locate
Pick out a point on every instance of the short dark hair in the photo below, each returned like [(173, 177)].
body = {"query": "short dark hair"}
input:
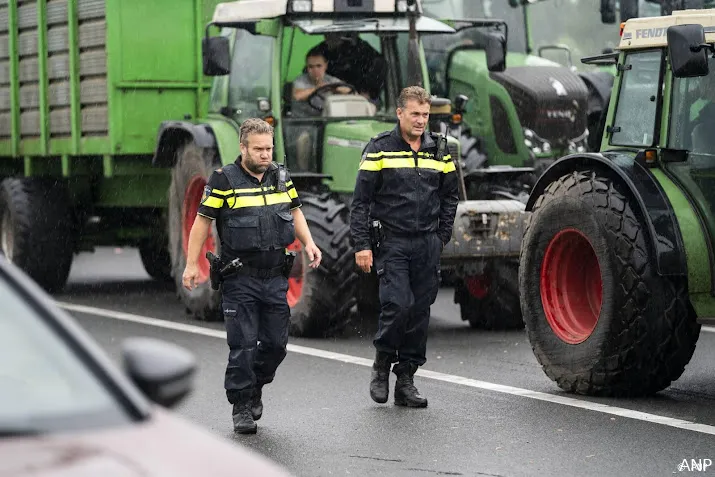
[(316, 51), (254, 126), (415, 93)]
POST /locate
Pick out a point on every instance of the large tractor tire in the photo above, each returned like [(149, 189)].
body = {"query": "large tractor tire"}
[(189, 177), (321, 299), (600, 319), (491, 301), (36, 229)]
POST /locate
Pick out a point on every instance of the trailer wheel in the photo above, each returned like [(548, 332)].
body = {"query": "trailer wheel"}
[(156, 259), (491, 301), (321, 299), (188, 179), (600, 320), (36, 231)]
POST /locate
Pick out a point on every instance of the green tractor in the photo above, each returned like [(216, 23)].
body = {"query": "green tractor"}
[(260, 51), (523, 112), (617, 262)]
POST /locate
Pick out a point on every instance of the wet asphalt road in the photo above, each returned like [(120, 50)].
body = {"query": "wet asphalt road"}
[(319, 419)]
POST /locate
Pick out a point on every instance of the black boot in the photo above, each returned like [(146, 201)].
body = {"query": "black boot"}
[(257, 403), (380, 377), (406, 394), (243, 422)]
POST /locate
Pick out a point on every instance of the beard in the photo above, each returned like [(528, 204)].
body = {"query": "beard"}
[(254, 166)]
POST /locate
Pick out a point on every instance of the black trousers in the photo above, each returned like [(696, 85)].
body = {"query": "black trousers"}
[(257, 316), (408, 270)]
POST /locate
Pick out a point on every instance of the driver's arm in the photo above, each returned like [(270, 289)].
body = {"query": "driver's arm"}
[(303, 88), (303, 94)]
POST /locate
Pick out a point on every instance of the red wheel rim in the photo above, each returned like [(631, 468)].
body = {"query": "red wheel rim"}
[(295, 280), (192, 200), (571, 286)]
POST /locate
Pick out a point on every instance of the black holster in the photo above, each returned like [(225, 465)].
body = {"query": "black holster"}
[(218, 271), (377, 236), (288, 264)]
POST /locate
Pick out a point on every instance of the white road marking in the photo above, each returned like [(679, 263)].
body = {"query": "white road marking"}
[(449, 378)]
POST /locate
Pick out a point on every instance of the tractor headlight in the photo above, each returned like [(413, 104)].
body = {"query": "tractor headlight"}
[(536, 144), (402, 6), (301, 6)]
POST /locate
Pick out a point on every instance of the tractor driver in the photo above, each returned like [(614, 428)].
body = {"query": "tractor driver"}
[(304, 86)]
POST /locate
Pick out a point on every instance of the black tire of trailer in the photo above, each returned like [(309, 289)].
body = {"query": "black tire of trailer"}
[(641, 333), (37, 220), (328, 293), (156, 258), (498, 308), (193, 165)]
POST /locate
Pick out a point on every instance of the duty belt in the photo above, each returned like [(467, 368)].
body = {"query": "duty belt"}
[(261, 272)]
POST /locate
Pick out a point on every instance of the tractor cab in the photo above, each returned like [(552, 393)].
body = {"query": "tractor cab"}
[(326, 74)]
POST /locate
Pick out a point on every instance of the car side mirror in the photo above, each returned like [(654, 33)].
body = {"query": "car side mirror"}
[(496, 52), (608, 11), (161, 370), (216, 55), (687, 50)]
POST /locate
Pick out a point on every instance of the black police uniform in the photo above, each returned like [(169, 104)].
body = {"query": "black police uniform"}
[(414, 196), (255, 224)]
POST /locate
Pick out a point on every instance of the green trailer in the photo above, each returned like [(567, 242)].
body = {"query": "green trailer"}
[(83, 87)]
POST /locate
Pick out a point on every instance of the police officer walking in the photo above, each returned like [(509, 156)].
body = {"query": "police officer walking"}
[(409, 184), (258, 215)]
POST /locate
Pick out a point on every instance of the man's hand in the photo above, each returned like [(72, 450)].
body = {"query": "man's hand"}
[(363, 258), (314, 255), (191, 276)]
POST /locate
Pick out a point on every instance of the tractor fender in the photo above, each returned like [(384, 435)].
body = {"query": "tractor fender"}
[(649, 200), (174, 134)]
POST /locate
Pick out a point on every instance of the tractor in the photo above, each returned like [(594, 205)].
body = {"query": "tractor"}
[(617, 261)]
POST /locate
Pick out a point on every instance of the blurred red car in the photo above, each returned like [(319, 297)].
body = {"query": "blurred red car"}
[(66, 410)]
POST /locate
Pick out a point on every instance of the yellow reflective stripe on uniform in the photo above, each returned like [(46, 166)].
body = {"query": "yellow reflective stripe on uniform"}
[(221, 192), (257, 200), (213, 202), (432, 164), (398, 163), (288, 184), (292, 193), (375, 155)]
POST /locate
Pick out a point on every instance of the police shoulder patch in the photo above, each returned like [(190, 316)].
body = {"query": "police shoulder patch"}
[(207, 193)]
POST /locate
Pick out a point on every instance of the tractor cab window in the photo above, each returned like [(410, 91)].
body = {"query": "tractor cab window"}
[(692, 121), (636, 109), (251, 72), (693, 114)]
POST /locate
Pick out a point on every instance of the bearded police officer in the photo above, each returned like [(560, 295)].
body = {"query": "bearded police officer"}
[(407, 184), (257, 211)]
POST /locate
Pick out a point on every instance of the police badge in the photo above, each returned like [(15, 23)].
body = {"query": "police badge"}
[(207, 193)]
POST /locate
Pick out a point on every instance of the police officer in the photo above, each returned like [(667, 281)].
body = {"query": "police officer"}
[(258, 215), (405, 184)]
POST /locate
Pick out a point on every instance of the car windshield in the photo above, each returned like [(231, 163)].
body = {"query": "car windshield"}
[(44, 384)]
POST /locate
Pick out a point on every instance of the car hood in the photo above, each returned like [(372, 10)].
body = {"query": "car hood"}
[(163, 445)]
